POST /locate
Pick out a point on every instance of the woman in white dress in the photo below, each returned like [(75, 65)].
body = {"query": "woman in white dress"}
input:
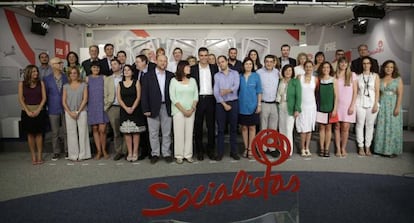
[(300, 69), (305, 122)]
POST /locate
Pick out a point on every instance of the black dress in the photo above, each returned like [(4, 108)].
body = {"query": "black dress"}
[(135, 122)]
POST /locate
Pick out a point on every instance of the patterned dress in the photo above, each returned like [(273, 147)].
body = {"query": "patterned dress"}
[(96, 113), (389, 129)]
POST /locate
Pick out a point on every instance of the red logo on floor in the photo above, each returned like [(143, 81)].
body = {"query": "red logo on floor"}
[(244, 184)]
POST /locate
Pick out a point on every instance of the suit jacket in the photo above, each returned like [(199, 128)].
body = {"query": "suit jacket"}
[(135, 75), (54, 96), (151, 94), (109, 92), (356, 65), (195, 73), (291, 61), (105, 69)]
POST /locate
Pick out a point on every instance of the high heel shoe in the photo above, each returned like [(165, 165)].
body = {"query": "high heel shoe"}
[(303, 153), (248, 154), (308, 153)]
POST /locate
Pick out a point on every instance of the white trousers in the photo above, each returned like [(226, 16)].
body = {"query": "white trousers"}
[(183, 135), (364, 118), (78, 137), (286, 124)]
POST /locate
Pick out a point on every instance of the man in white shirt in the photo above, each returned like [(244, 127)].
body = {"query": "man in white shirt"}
[(285, 59), (178, 55), (269, 77)]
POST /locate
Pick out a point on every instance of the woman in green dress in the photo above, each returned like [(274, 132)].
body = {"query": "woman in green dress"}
[(389, 132)]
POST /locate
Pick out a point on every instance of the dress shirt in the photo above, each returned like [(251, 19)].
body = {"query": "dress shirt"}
[(270, 82), (172, 66), (226, 81), (44, 71), (161, 82), (205, 81), (117, 79), (284, 61)]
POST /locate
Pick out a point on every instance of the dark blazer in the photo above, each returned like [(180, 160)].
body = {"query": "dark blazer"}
[(151, 66), (151, 94), (291, 61), (195, 73), (356, 65), (105, 69)]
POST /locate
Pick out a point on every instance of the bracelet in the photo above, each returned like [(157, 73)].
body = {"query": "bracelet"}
[(77, 112), (260, 104)]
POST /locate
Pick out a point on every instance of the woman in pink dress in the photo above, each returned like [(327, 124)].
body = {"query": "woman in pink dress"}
[(347, 92)]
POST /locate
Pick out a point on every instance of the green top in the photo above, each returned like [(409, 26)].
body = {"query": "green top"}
[(326, 95), (293, 96), (185, 94)]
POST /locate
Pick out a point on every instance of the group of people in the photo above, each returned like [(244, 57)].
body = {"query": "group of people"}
[(145, 101)]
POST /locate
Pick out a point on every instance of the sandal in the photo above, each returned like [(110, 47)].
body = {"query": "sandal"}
[(308, 153), (248, 154), (361, 151), (321, 152), (303, 153), (326, 153), (368, 151)]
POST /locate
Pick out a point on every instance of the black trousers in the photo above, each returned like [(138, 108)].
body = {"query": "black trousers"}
[(205, 109)]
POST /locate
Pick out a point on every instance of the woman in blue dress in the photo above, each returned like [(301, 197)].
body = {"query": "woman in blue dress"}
[(97, 117), (388, 134)]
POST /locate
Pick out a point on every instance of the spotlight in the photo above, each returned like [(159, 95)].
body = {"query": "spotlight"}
[(360, 26), (267, 8), (57, 11), (163, 8), (366, 11), (39, 28)]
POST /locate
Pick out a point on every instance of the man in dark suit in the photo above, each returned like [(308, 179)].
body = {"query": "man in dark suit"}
[(203, 73), (141, 67), (356, 65), (285, 59), (105, 62), (93, 53), (156, 105)]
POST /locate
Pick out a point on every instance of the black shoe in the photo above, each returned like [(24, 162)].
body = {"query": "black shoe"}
[(274, 153), (212, 157), (200, 156), (168, 159), (235, 156), (118, 156), (55, 157), (219, 157), (154, 159)]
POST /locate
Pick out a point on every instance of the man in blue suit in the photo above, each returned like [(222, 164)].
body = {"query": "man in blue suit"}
[(156, 106)]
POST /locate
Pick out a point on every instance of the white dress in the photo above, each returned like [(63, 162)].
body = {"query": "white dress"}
[(305, 122)]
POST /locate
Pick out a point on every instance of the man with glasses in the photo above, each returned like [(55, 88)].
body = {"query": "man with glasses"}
[(54, 84), (356, 65)]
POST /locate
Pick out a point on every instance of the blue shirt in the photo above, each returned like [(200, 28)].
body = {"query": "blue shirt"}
[(226, 81), (249, 89)]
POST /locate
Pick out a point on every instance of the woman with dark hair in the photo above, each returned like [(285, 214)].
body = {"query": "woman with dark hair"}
[(254, 56), (72, 60), (305, 122), (319, 59), (347, 86), (131, 121), (327, 104), (366, 106), (74, 99), (250, 97), (32, 98), (289, 98), (388, 135), (97, 117), (184, 97)]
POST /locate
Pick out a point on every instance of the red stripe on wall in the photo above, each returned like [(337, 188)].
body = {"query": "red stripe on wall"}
[(140, 32), (20, 39), (294, 33)]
